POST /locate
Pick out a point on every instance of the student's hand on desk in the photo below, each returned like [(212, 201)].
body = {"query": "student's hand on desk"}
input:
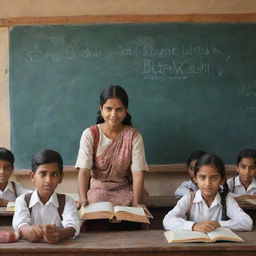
[(51, 233), (205, 226), (32, 233), (3, 202), (146, 210)]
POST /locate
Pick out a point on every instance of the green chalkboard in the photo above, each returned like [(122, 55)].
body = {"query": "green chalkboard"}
[(191, 86)]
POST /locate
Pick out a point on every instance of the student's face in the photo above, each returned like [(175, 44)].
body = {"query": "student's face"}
[(247, 170), (113, 112), (46, 178), (5, 171), (208, 180), (191, 168)]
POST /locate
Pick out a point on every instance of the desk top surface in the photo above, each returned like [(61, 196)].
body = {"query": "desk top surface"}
[(146, 241)]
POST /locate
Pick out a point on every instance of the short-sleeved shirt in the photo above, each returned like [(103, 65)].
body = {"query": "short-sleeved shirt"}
[(9, 193), (45, 213), (85, 154), (237, 188), (185, 188)]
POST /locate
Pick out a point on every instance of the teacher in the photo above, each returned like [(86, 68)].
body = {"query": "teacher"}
[(111, 158)]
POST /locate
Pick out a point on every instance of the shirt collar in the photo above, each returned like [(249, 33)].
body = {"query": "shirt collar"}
[(253, 184), (238, 182), (35, 199), (198, 198), (9, 187)]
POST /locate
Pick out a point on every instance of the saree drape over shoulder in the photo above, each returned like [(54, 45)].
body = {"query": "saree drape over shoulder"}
[(111, 173)]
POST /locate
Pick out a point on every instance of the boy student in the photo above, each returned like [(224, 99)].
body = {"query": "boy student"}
[(189, 185), (45, 215), (9, 190), (244, 185)]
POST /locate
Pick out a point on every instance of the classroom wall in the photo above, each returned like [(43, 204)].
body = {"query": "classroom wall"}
[(165, 183), (26, 8)]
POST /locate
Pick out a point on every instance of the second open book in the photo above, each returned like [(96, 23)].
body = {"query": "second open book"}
[(105, 210), (219, 234)]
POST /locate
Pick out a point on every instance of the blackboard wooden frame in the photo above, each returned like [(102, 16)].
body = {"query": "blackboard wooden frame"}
[(237, 17)]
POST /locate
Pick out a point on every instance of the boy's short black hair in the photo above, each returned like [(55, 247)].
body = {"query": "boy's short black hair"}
[(7, 155), (46, 156), (246, 153)]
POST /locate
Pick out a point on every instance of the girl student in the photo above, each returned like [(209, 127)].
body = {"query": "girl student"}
[(189, 185), (244, 184), (209, 207)]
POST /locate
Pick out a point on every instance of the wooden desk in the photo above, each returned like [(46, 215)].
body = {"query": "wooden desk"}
[(5, 217), (146, 243)]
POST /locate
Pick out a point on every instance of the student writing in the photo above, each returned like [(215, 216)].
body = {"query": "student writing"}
[(210, 208), (189, 185), (9, 190), (244, 183), (37, 215)]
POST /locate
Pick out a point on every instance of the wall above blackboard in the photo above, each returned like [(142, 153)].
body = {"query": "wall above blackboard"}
[(191, 86)]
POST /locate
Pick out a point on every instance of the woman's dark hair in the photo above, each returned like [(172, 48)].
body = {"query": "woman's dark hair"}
[(195, 156), (216, 162), (246, 153), (7, 155), (46, 156), (114, 91)]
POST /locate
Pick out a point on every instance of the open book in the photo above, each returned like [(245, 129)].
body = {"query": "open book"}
[(246, 199), (220, 234), (105, 210), (10, 206)]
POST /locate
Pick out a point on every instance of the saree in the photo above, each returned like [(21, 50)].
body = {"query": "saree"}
[(111, 174)]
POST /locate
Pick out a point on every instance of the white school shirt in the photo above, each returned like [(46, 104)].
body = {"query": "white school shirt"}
[(239, 189), (176, 219), (9, 194), (184, 188), (45, 213), (85, 154)]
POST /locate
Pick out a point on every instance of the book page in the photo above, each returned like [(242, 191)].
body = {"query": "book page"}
[(186, 236), (10, 206), (98, 207), (133, 210), (224, 234), (251, 200)]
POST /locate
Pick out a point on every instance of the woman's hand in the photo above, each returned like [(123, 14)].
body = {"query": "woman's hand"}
[(147, 212), (81, 202), (206, 226)]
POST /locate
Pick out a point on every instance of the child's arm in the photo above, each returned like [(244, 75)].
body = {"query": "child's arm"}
[(32, 233), (176, 218), (21, 215), (184, 188), (70, 217), (239, 220)]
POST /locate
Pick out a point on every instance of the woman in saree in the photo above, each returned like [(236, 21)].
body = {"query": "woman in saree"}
[(111, 158)]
